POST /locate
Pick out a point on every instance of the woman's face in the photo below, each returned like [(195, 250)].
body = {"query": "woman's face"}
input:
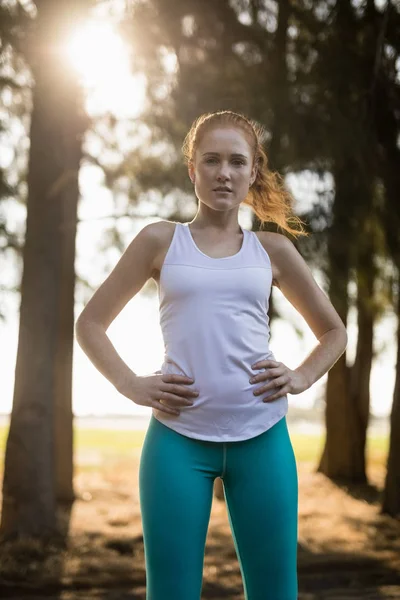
[(222, 158)]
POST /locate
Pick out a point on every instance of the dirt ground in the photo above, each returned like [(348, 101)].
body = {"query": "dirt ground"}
[(346, 549)]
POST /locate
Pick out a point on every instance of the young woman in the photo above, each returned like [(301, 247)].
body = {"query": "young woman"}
[(219, 401)]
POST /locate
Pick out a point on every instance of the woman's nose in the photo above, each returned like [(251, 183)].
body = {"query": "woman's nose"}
[(223, 172)]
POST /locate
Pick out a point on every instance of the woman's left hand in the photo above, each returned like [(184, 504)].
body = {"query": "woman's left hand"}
[(279, 376)]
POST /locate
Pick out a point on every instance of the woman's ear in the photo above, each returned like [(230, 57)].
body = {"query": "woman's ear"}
[(253, 174), (191, 172)]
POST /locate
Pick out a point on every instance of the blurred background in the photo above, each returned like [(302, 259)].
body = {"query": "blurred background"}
[(141, 72), (96, 98)]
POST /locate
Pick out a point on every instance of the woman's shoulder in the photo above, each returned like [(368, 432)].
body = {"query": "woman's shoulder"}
[(280, 250), (274, 242), (161, 231), (161, 227)]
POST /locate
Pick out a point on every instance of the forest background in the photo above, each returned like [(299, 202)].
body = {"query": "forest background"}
[(95, 99)]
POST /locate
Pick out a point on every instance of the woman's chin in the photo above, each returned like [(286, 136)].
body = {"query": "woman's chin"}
[(223, 202)]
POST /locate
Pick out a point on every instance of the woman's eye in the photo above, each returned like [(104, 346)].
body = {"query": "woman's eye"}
[(235, 162)]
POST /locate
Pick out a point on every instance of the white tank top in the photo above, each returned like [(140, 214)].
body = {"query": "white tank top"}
[(215, 325)]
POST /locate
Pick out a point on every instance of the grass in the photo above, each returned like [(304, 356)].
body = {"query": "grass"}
[(117, 442)]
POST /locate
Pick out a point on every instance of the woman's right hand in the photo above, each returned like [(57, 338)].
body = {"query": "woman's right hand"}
[(164, 392)]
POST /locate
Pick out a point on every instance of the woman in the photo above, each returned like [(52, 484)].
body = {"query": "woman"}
[(219, 401)]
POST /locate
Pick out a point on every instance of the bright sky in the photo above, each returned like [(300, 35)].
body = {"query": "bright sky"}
[(104, 65)]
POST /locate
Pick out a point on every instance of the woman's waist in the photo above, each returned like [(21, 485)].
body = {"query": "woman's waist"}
[(224, 408), (211, 375), (185, 360)]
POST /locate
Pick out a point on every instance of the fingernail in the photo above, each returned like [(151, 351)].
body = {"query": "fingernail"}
[(251, 380)]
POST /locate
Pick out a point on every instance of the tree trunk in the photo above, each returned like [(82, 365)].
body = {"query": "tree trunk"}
[(338, 443), (348, 396), (361, 370), (279, 81), (386, 123), (219, 489), (38, 461), (391, 492)]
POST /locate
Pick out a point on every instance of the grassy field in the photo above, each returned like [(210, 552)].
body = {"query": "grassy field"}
[(347, 549), (113, 442)]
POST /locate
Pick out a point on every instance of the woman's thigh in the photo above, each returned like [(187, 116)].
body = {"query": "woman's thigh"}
[(261, 490), (176, 478)]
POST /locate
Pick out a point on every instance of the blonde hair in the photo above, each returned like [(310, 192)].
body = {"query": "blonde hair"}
[(268, 196)]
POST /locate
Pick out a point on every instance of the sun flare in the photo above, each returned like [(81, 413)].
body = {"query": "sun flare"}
[(103, 62)]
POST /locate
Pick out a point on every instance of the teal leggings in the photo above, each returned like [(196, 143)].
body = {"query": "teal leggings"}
[(176, 478)]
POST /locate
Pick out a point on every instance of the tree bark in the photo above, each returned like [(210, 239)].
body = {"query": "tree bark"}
[(334, 461), (360, 373), (391, 492), (39, 454)]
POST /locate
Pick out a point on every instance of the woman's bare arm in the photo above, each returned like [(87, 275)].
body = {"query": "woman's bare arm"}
[(127, 278), (295, 280)]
